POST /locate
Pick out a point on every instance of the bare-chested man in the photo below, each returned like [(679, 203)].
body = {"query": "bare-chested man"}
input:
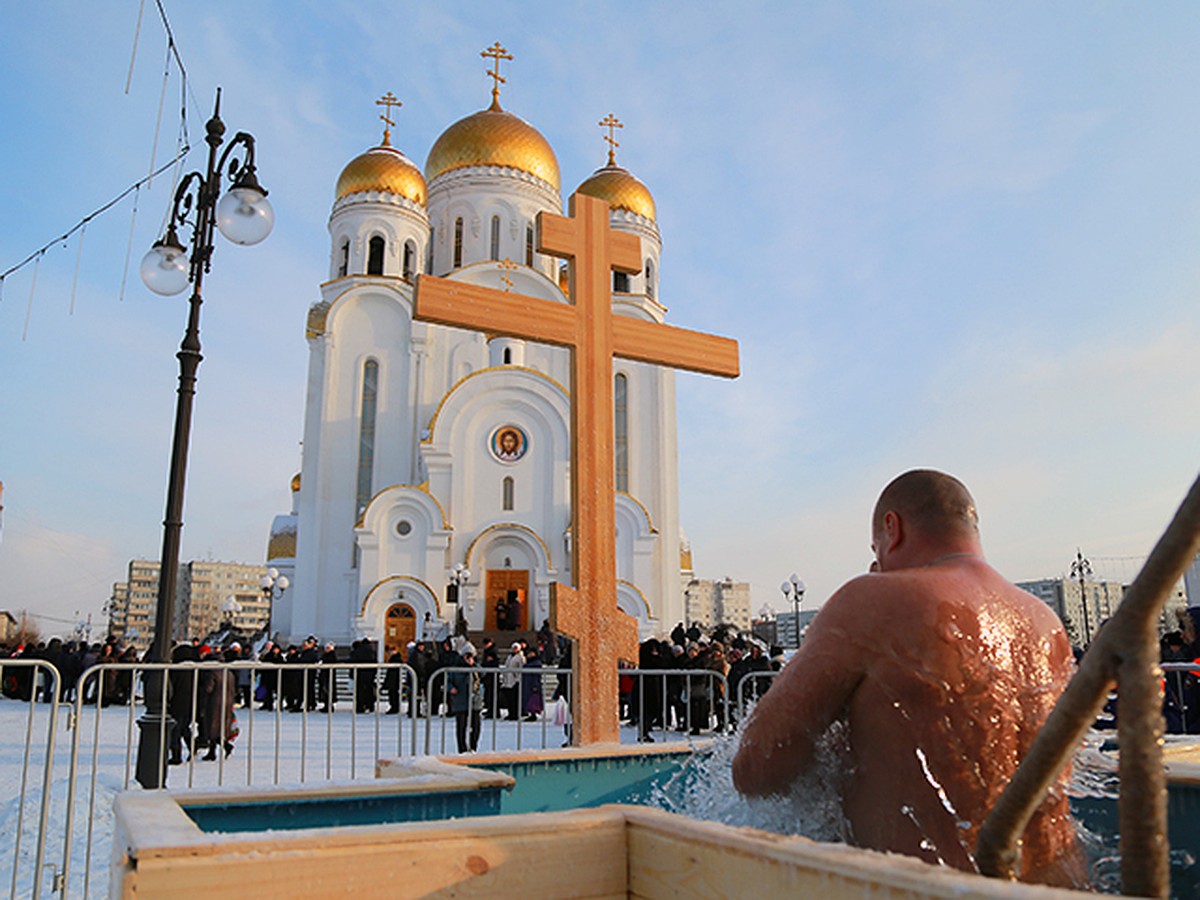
[(943, 672)]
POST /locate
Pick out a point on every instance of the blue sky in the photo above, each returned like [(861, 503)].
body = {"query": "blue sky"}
[(958, 235)]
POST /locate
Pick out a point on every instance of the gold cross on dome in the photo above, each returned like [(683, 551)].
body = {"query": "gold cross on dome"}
[(610, 122), (388, 100), (506, 266), (497, 53)]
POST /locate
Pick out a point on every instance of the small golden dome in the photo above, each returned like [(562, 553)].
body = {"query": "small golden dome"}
[(620, 189), (493, 137), (295, 482), (384, 169)]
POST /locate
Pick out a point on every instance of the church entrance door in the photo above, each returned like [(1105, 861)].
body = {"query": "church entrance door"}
[(400, 627), (501, 585)]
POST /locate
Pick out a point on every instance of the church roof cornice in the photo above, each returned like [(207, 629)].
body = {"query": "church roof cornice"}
[(642, 507), (409, 579), (423, 488), (433, 420), (318, 313), (506, 526)]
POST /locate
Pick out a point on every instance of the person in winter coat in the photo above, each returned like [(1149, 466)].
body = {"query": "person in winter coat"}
[(362, 651), (466, 700), (220, 695), (510, 682), (531, 687), (180, 703)]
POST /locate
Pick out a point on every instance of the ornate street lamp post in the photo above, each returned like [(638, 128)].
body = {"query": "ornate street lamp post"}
[(793, 590), (454, 594), (245, 217), (231, 608), (272, 586), (1081, 570)]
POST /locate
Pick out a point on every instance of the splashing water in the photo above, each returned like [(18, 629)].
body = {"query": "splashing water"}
[(703, 789)]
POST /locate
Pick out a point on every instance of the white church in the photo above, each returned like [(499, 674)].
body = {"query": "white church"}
[(429, 449)]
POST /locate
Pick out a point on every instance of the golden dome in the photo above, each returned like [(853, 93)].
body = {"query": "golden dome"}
[(295, 482), (493, 137), (620, 189), (384, 169)]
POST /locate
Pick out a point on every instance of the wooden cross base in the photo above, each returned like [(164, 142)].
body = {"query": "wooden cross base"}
[(600, 640)]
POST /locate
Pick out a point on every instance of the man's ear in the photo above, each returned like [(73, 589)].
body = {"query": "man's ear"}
[(893, 530)]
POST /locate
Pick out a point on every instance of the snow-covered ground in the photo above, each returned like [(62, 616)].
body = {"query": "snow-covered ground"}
[(272, 748)]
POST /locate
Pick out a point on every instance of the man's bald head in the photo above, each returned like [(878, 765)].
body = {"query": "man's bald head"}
[(937, 504)]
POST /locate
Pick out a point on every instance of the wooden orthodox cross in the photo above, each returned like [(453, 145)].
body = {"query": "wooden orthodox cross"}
[(588, 614)]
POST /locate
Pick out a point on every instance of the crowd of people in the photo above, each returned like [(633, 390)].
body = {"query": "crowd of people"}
[(510, 685), (695, 703)]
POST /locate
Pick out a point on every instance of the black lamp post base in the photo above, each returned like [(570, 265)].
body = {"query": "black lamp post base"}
[(153, 746)]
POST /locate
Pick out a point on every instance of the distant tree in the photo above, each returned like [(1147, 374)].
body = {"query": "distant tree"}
[(27, 631)]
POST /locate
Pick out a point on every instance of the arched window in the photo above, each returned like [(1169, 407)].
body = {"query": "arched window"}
[(508, 356), (495, 237), (375, 256), (529, 245), (410, 260), (344, 262), (650, 278), (621, 282), (366, 434), (429, 252), (621, 430), (507, 491), (458, 241)]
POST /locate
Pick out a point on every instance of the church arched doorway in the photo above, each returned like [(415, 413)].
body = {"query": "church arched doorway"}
[(400, 627)]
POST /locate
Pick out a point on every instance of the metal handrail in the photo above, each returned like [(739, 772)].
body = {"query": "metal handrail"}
[(1125, 649), (54, 680)]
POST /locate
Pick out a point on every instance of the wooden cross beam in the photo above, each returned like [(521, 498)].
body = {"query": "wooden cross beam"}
[(589, 614)]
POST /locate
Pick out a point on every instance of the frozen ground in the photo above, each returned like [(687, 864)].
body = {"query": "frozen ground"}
[(283, 748)]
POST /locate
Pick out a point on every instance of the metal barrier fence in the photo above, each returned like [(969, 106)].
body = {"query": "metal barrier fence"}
[(21, 677), (520, 692), (1182, 689), (685, 700), (752, 686)]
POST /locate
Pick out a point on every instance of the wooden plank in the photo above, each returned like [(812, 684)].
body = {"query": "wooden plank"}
[(681, 348), (672, 856), (471, 306), (466, 860)]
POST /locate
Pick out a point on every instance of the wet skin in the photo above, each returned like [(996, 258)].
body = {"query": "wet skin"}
[(943, 672)]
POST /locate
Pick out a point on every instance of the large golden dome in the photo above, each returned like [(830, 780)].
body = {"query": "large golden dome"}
[(493, 137), (620, 189), (384, 169)]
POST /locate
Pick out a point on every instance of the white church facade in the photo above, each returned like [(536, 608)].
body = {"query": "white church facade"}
[(428, 448)]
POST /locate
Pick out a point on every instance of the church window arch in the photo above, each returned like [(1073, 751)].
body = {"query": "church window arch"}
[(429, 251), (529, 244), (621, 430), (458, 242), (375, 248), (344, 261), (507, 493), (650, 278), (495, 238), (508, 356), (410, 260), (366, 434), (621, 282)]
